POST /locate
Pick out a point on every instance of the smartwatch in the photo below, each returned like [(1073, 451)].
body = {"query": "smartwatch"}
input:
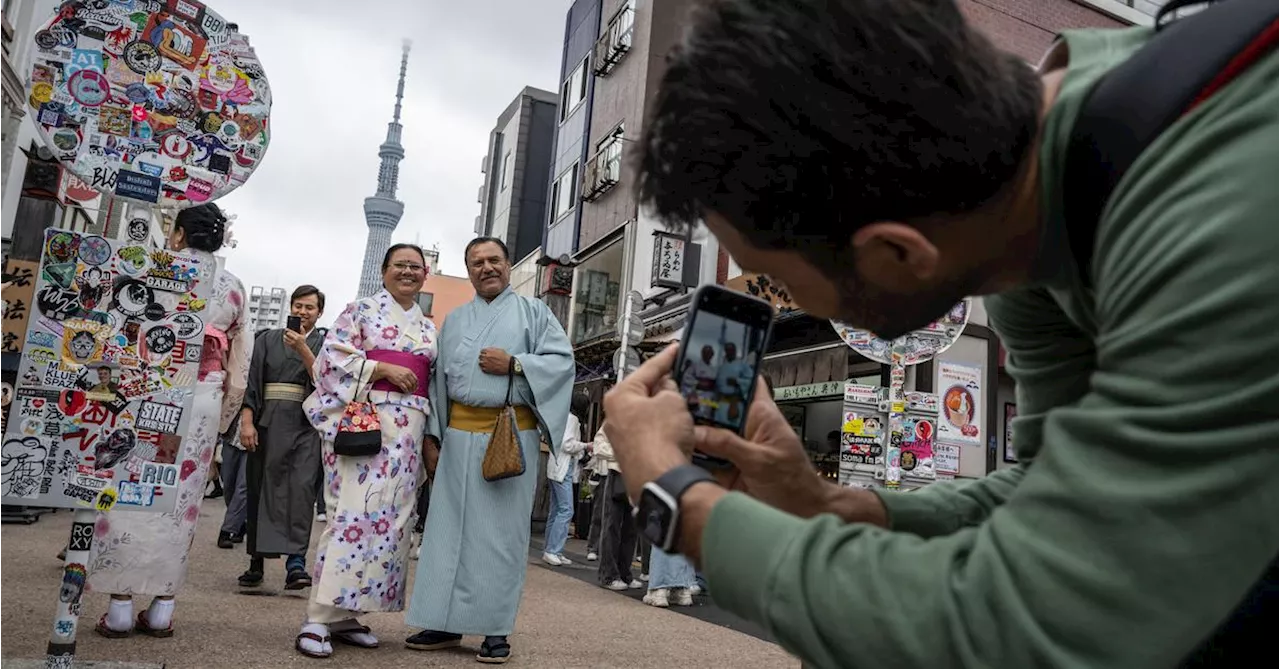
[(658, 513)]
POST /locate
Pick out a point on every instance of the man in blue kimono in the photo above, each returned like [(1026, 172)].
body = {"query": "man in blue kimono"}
[(476, 544)]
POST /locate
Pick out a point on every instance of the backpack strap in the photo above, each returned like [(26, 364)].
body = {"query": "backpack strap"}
[(1185, 62)]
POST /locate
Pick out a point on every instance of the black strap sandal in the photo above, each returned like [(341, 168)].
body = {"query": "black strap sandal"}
[(312, 636), (297, 579), (494, 653), (345, 636)]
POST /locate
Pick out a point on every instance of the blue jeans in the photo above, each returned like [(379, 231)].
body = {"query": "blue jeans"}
[(669, 571), (561, 514)]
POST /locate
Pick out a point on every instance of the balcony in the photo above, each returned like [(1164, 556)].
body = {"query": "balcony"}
[(604, 170), (614, 44)]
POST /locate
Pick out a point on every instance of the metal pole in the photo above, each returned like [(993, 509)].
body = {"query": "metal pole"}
[(62, 644), (897, 407)]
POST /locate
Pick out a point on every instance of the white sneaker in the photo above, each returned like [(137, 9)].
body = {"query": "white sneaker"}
[(564, 561), (644, 577), (592, 557), (553, 560), (635, 585), (657, 598), (684, 597), (695, 590), (321, 518), (617, 585)]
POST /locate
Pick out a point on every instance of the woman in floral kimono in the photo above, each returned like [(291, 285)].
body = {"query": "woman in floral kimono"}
[(146, 554), (380, 351)]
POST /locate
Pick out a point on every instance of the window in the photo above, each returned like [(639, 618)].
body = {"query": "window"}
[(562, 193), (425, 302), (605, 169), (506, 171), (614, 44), (574, 90)]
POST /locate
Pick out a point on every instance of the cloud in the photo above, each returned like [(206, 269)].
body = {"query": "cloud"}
[(333, 66)]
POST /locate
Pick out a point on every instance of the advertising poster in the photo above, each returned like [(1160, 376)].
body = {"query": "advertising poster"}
[(960, 416), (946, 458), (860, 437), (159, 102), (104, 387)]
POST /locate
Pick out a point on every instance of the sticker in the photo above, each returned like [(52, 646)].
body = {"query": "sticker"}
[(175, 41), (167, 285), (114, 120), (157, 417), (88, 87), (57, 303), (131, 297), (65, 139), (154, 311), (134, 260), (89, 481), (187, 326), (62, 246), (199, 190), (138, 186), (139, 229), (62, 275), (111, 450), (82, 341), (141, 57), (85, 495), (106, 500), (159, 474), (175, 145), (24, 465), (160, 339), (72, 402), (81, 537), (135, 494), (94, 250), (897, 407), (73, 579)]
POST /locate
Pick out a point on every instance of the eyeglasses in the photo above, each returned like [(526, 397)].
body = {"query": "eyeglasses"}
[(408, 267)]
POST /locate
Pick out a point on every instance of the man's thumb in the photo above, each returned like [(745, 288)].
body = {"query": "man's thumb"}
[(718, 442)]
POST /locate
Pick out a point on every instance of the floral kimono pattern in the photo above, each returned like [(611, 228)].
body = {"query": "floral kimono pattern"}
[(370, 501), (146, 554)]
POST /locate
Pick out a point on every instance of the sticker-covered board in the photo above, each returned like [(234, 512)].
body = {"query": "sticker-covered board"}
[(916, 346), (104, 389), (154, 101)]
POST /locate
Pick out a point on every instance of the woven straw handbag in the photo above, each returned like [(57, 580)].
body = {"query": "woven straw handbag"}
[(504, 458)]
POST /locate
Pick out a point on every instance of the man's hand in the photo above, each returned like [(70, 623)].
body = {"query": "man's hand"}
[(772, 466), (431, 455), (296, 341), (400, 377), (248, 435), (495, 361), (648, 423)]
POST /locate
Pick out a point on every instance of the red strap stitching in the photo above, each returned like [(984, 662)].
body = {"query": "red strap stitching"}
[(1260, 46)]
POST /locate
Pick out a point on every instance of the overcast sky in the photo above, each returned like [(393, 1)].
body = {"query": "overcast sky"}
[(332, 67)]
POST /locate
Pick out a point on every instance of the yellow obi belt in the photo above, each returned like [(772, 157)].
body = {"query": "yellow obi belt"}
[(482, 420), (284, 392)]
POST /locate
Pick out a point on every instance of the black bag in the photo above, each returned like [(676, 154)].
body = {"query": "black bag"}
[(359, 430), (1187, 61)]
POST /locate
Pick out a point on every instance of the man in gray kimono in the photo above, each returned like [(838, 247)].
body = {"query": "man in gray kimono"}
[(476, 545), (283, 449)]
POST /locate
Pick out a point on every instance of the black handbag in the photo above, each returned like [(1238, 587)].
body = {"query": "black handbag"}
[(359, 429)]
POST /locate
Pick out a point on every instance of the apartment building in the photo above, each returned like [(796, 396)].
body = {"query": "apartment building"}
[(268, 308)]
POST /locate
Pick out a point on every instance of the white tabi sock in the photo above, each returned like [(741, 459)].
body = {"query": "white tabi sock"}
[(160, 615), (120, 615)]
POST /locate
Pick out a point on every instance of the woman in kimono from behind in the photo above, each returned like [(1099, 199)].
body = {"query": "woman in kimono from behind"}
[(144, 554), (379, 350)]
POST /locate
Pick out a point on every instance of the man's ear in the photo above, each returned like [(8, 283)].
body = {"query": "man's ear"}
[(895, 249)]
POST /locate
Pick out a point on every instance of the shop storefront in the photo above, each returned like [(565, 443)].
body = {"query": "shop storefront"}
[(597, 289)]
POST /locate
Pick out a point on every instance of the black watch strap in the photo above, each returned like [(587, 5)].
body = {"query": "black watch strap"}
[(680, 479)]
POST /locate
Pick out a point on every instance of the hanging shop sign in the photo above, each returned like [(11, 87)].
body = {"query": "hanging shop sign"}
[(19, 289), (152, 101), (668, 260), (104, 385), (809, 391), (916, 346)]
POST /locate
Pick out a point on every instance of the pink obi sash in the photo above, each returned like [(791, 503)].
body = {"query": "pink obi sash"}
[(214, 353), (420, 365)]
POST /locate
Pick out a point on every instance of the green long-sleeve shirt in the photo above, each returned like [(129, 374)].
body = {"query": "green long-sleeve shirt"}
[(1146, 502)]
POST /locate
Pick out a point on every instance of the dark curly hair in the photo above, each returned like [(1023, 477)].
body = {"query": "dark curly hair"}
[(204, 225)]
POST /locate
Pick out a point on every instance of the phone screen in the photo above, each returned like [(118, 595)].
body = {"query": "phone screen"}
[(294, 323), (720, 356)]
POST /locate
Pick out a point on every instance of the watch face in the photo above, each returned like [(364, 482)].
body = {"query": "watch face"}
[(655, 519)]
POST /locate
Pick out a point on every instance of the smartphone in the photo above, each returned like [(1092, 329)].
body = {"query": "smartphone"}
[(721, 349), (294, 323)]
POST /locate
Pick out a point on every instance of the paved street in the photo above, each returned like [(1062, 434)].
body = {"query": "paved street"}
[(564, 620)]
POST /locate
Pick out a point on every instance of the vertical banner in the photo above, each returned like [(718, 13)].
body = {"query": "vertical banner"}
[(104, 388), (960, 416), (19, 288)]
